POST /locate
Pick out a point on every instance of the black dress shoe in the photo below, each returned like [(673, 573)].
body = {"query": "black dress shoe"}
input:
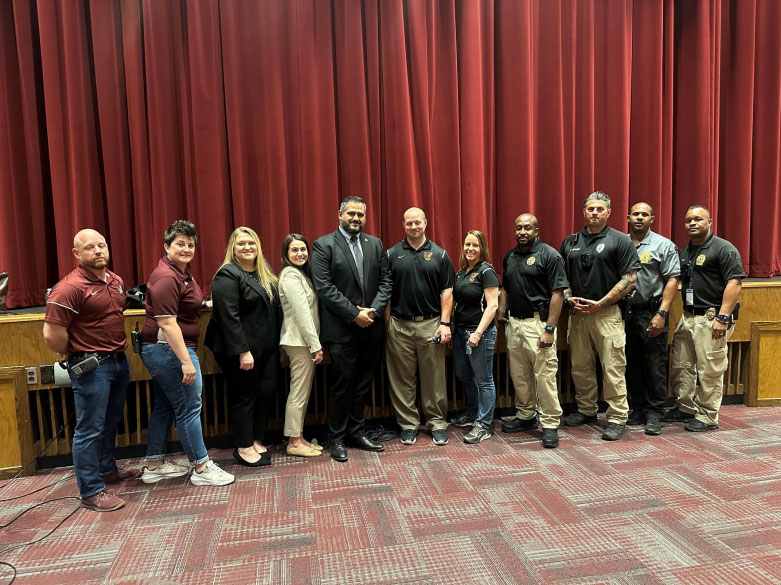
[(259, 463), (516, 424), (338, 452), (366, 444)]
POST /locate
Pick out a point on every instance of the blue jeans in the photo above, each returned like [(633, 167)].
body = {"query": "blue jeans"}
[(173, 401), (475, 371), (99, 397)]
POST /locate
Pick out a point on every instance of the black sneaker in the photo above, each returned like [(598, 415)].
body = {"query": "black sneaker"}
[(439, 437), (697, 426), (578, 418), (676, 415), (653, 424), (409, 436), (550, 438), (463, 420), (613, 432), (516, 424), (636, 418)]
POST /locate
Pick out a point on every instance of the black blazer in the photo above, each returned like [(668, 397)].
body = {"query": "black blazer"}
[(339, 294), (241, 313)]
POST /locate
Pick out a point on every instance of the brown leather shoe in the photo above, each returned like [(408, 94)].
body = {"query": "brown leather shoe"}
[(121, 474), (105, 501)]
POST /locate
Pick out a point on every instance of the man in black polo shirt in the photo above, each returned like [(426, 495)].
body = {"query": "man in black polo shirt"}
[(711, 275), (84, 317), (533, 284), (601, 267), (419, 312)]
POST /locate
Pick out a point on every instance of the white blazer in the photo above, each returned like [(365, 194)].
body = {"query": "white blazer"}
[(301, 323)]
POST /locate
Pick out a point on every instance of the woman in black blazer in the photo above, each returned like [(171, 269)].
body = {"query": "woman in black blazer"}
[(243, 334)]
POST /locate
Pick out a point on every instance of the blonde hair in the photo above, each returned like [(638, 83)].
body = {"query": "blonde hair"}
[(267, 277), (481, 240)]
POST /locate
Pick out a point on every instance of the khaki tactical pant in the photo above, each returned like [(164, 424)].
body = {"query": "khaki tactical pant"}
[(530, 364), (695, 352), (604, 334), (407, 350)]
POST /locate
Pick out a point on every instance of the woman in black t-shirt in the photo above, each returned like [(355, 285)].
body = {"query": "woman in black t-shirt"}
[(476, 295)]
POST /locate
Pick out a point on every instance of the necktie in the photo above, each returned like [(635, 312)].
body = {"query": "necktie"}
[(358, 258)]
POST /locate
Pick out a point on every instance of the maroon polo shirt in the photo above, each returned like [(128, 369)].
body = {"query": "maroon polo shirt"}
[(90, 309), (173, 293)]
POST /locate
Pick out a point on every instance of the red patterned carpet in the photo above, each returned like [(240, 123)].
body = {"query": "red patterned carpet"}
[(680, 508)]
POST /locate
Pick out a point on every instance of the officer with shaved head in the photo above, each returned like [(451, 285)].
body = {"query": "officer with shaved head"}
[(533, 284)]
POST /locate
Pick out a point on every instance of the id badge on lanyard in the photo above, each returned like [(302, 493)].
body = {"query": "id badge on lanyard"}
[(689, 297)]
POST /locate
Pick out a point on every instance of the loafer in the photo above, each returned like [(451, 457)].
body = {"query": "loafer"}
[(121, 474), (676, 415), (653, 424), (264, 459), (516, 424), (364, 443), (550, 438), (577, 418), (697, 426), (636, 418), (613, 432), (409, 436), (338, 451)]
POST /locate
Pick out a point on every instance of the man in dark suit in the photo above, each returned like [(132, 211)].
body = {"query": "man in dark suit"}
[(352, 279)]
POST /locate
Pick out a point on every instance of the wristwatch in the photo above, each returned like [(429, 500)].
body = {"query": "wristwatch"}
[(662, 312), (445, 323), (550, 328), (724, 318)]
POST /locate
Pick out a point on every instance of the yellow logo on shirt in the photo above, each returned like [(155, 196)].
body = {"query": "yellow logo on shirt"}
[(472, 277), (531, 260), (645, 257), (700, 260), (427, 256)]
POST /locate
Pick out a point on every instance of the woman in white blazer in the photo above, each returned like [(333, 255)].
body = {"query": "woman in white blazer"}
[(299, 339)]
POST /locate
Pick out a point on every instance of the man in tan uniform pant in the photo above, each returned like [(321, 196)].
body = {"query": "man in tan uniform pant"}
[(711, 273), (602, 269), (533, 283)]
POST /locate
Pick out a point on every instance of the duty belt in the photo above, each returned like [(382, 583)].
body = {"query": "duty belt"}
[(415, 318), (101, 355), (700, 312)]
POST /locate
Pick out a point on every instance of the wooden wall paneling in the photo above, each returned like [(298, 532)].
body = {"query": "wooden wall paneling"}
[(765, 370), (16, 441)]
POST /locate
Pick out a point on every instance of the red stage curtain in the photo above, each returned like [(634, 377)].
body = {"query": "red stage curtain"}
[(126, 115)]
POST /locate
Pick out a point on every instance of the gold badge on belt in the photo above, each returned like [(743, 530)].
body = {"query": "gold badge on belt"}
[(710, 314)]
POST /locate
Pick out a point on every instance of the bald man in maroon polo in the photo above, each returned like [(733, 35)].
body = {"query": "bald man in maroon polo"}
[(84, 320)]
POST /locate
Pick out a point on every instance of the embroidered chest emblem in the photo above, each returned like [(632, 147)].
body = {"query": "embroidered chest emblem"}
[(700, 260), (472, 277), (530, 261), (427, 256), (600, 247), (645, 257)]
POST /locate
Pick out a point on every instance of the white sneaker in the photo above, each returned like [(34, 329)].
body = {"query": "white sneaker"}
[(212, 474), (165, 471)]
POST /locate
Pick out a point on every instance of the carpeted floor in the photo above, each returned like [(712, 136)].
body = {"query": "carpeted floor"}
[(688, 508)]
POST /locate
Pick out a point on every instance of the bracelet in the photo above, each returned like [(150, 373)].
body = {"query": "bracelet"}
[(445, 323)]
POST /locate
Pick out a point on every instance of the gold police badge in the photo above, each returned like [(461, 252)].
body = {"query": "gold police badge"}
[(645, 257), (710, 314), (427, 256), (472, 277), (531, 260), (700, 260)]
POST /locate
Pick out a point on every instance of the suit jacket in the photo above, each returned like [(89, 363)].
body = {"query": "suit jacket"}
[(338, 288), (299, 305), (241, 313)]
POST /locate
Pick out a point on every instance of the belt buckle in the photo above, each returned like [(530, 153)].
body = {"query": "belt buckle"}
[(419, 318)]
